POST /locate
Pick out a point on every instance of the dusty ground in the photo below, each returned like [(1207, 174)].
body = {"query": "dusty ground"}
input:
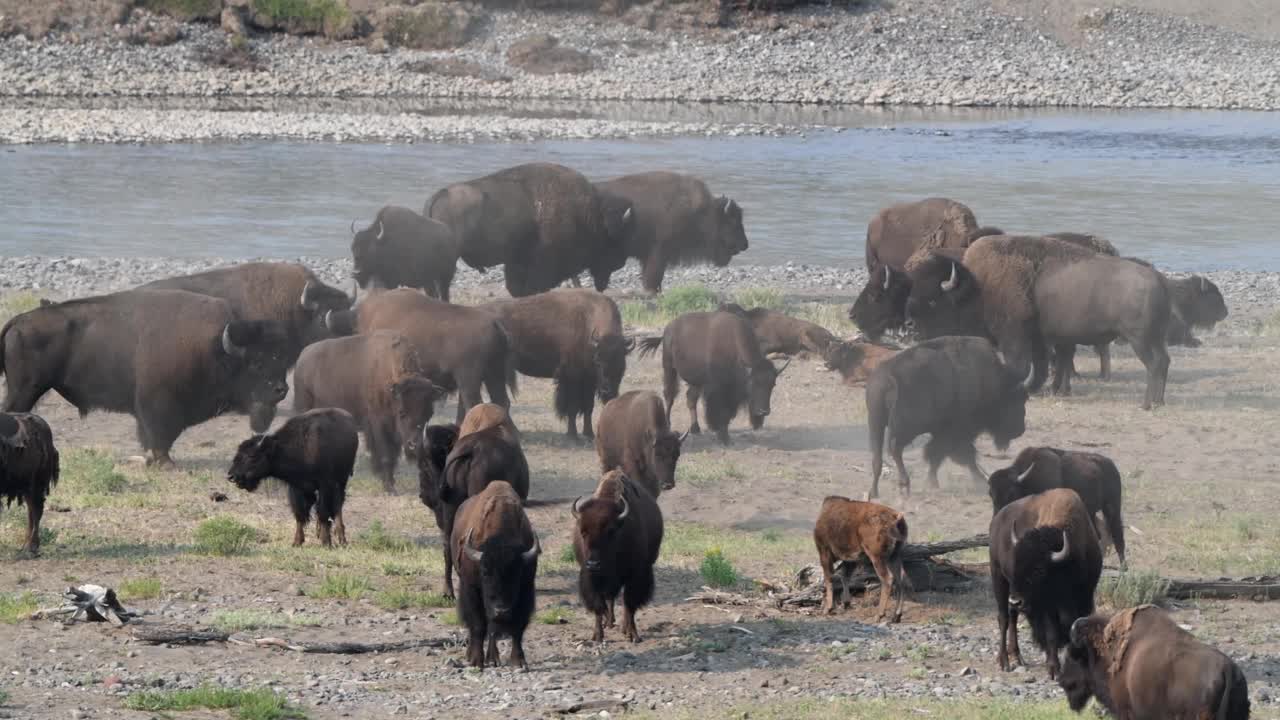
[(1200, 488)]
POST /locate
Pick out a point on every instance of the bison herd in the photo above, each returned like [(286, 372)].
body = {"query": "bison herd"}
[(993, 313)]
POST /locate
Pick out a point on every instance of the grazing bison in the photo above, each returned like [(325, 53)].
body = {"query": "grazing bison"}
[(716, 353), (1197, 303), (954, 388), (313, 453), (170, 358), (543, 223), (28, 469), (855, 361), (782, 334), (459, 348), (1045, 563), (575, 338), (616, 542), (404, 249), (848, 529), (497, 554), (1095, 478), (378, 379), (635, 437), (1141, 666), (1029, 293), (672, 219)]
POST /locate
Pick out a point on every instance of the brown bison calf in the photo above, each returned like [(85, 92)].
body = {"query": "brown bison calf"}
[(314, 454), (616, 542), (28, 469), (783, 334), (847, 529), (855, 361), (634, 436)]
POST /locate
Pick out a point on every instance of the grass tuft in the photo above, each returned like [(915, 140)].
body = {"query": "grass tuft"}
[(567, 555), (244, 704), (91, 472), (225, 536), (405, 599), (1132, 588), (241, 620), (751, 298), (379, 539), (450, 618), (305, 15), (345, 587), (4, 697), (716, 569), (555, 616), (16, 607), (688, 298), (139, 589)]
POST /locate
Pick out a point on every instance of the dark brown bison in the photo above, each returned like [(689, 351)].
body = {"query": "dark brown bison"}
[(847, 530), (1029, 293), (855, 361), (170, 358), (954, 389), (1098, 244), (1141, 666), (404, 249), (716, 353), (459, 348), (616, 540), (672, 219), (635, 437), (1197, 303), (882, 304), (1045, 564), (28, 469), (485, 416), (313, 454), (573, 337), (898, 231), (543, 223), (379, 380), (497, 554), (783, 334), (1095, 478)]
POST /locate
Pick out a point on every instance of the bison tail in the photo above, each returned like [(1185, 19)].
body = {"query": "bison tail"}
[(649, 345)]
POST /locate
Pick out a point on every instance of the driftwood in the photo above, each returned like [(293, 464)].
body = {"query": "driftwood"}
[(177, 634), (347, 648), (1259, 587), (592, 707)]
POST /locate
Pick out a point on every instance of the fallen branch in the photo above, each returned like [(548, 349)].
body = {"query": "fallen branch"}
[(1260, 588), (593, 707), (177, 634), (347, 648)]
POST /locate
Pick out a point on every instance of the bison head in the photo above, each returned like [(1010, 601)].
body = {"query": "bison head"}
[(252, 462), (257, 348), (366, 247), (433, 452), (413, 401), (760, 382), (1008, 415), (1012, 483), (12, 433), (341, 322), (619, 217), (1083, 671), (1035, 554), (730, 235), (944, 300), (664, 454), (598, 523), (1200, 301), (501, 566), (609, 353), (882, 303)]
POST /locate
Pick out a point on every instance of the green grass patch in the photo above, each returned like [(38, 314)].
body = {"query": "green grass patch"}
[(89, 471), (379, 539), (4, 697), (225, 536), (450, 618), (16, 607), (688, 298), (341, 586), (843, 709), (304, 15), (716, 569), (686, 545), (241, 620), (406, 599), (147, 588), (185, 10), (17, 303), (243, 704), (1247, 544), (1132, 588), (567, 555), (751, 298), (558, 615)]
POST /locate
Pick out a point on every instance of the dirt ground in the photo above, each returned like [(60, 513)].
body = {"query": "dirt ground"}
[(1200, 495)]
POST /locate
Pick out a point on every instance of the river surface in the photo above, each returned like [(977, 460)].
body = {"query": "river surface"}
[(1187, 190)]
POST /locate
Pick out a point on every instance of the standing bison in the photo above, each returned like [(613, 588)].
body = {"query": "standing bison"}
[(716, 353), (954, 388), (635, 437), (543, 223), (782, 334), (848, 530), (1197, 303), (404, 249), (672, 219), (28, 469), (170, 358)]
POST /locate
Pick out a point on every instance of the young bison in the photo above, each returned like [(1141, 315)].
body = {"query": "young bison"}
[(634, 437), (847, 529), (855, 361), (28, 469), (783, 334), (314, 454)]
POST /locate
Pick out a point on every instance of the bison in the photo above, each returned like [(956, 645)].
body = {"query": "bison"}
[(313, 454), (1098, 244), (378, 379), (616, 541), (404, 249), (855, 361), (1029, 293), (497, 554), (575, 338), (882, 304), (1045, 563), (848, 529), (782, 334), (488, 415), (1197, 303), (1093, 477), (1141, 666), (954, 388), (170, 358), (716, 353), (28, 469), (543, 223), (459, 348), (635, 437), (671, 219)]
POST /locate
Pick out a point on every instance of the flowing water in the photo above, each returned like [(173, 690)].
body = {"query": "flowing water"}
[(1187, 190)]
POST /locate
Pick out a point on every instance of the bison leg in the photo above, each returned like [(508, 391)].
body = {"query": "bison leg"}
[(491, 656), (1115, 528), (476, 633), (1000, 588), (886, 586), (691, 396), (35, 511), (670, 382), (609, 615), (827, 562), (301, 502), (898, 584), (1104, 360), (963, 453), (1051, 650), (637, 592), (587, 410), (904, 480), (1063, 365), (1155, 358), (340, 529), (935, 451), (516, 658), (655, 267)]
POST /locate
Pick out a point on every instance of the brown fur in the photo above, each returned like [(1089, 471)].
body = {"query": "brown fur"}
[(847, 529), (855, 361), (29, 468), (783, 334), (898, 231), (485, 416), (413, 251), (634, 435)]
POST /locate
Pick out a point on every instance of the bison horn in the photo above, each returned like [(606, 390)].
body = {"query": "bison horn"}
[(1074, 635), (784, 366), (683, 436), (470, 549), (576, 509), (1013, 534), (532, 553), (328, 322), (353, 227), (229, 345), (950, 283), (887, 274), (380, 230), (1065, 552), (1026, 472), (727, 203), (1031, 375), (626, 215), (306, 290), (626, 508)]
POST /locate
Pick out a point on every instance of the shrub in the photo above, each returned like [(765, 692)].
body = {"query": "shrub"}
[(716, 569), (688, 298), (1132, 588), (17, 607), (224, 535), (91, 471), (300, 17), (345, 587), (567, 556), (759, 298)]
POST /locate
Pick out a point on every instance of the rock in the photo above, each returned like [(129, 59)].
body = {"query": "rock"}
[(542, 54), (430, 26)]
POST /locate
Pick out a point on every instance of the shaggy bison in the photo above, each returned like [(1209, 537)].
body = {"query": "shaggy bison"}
[(543, 223), (1045, 563), (954, 388), (855, 361), (634, 436), (716, 353), (1197, 303), (378, 379), (671, 219), (313, 454), (404, 249), (1141, 666), (782, 334), (616, 541), (170, 358), (497, 554), (882, 304), (848, 529), (575, 338), (28, 469)]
